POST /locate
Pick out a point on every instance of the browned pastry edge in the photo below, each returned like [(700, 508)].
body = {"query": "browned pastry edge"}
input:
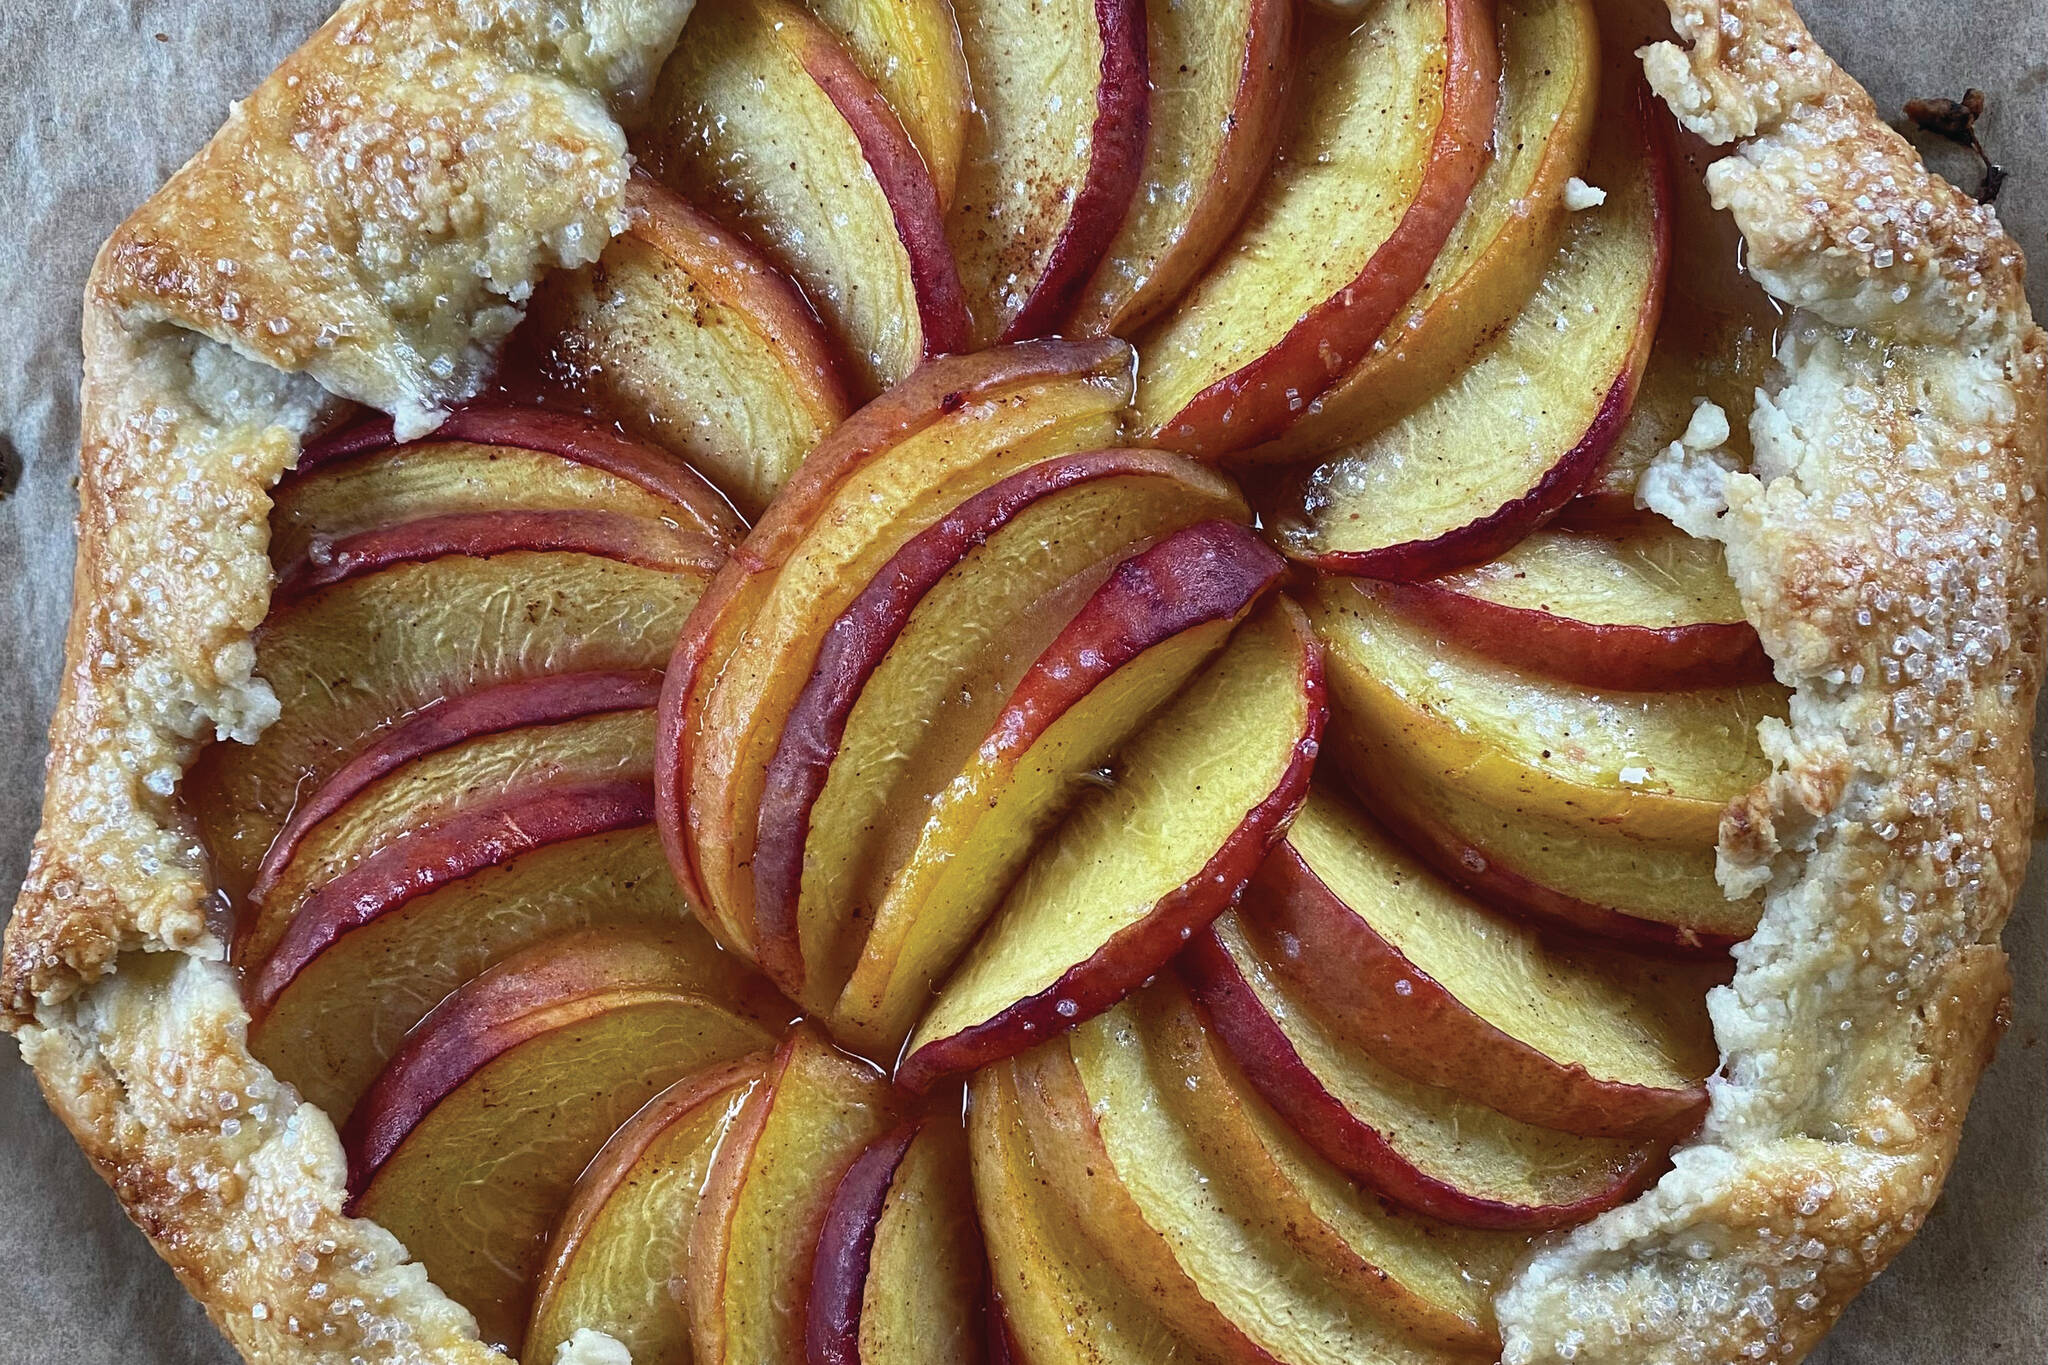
[(1888, 546)]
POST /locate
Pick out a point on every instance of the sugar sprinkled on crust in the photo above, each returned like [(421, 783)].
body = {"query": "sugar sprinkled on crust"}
[(393, 191), (238, 1183)]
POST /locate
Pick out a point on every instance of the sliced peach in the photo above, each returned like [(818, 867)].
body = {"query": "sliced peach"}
[(1213, 126), (355, 658), (332, 1028), (1550, 80), (428, 858), (699, 343), (900, 464), (1219, 1267), (1436, 1279), (431, 791), (469, 1144), (898, 1275), (765, 1199), (910, 49), (1380, 153), (908, 679), (1653, 765), (1198, 797), (619, 1254), (435, 478), (614, 535), (1427, 1148), (446, 725), (846, 1243), (1648, 894), (1052, 158), (358, 498), (1149, 628), (1057, 1301), (1633, 606), (1067, 1151), (1514, 435), (1397, 962), (762, 117)]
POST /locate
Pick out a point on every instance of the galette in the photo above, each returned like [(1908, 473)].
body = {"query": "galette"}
[(1041, 682)]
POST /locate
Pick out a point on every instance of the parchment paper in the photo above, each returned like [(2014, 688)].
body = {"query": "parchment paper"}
[(101, 99)]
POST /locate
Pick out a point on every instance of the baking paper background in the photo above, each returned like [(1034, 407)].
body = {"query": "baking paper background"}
[(100, 100)]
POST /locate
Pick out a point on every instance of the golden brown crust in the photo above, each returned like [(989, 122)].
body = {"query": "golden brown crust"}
[(376, 213), (1887, 544), (237, 1182)]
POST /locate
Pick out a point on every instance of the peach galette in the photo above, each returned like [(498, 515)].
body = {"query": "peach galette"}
[(1042, 681)]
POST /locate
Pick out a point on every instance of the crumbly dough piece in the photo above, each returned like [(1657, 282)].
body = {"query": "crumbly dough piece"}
[(366, 226)]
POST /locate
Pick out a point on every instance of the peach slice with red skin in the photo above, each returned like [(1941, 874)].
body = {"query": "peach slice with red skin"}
[(1637, 607), (465, 1030), (942, 309), (1449, 994), (406, 483), (443, 725), (1201, 794), (1065, 1137), (1410, 500), (763, 118), (1386, 139), (434, 789), (479, 535), (910, 49), (1514, 435), (846, 1242), (1203, 1245), (1154, 623), (1423, 1147), (1055, 1300), (696, 340), (1211, 135), (991, 577), (1658, 767), (1644, 895), (348, 1009), (1052, 160), (435, 857), (895, 467), (470, 1143), (408, 637), (618, 1256), (1432, 1278), (580, 440), (898, 1277), (766, 1196), (1503, 241)]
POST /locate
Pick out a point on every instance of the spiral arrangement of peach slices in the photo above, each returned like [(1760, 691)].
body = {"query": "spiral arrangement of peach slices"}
[(1184, 828)]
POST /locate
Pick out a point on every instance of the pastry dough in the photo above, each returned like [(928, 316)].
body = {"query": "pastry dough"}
[(366, 226)]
